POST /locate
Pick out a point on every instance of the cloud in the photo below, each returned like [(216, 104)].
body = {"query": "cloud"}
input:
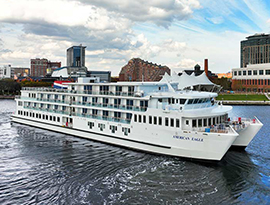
[(184, 64), (216, 20), (159, 12)]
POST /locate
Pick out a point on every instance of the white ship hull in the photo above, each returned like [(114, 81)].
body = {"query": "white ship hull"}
[(246, 135), (196, 145)]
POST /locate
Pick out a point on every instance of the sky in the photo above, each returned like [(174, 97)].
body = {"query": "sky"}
[(176, 33)]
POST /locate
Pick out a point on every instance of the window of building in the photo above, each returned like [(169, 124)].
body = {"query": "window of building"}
[(235, 73), (239, 72), (267, 72), (244, 72), (166, 121), (249, 72), (260, 72), (255, 72)]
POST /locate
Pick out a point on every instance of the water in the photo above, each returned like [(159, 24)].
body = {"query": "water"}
[(43, 167)]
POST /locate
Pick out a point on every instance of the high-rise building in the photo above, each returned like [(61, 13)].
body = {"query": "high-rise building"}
[(255, 50), (76, 56), (39, 66)]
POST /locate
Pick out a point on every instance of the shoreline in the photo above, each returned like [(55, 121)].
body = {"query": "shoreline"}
[(10, 97)]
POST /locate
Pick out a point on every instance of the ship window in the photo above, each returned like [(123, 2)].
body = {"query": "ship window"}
[(169, 100), (47, 117), (144, 119), (150, 119), (214, 121), (187, 122), (209, 121), (140, 118), (195, 101), (160, 120), (129, 116), (182, 101), (29, 95), (19, 103), (58, 119), (205, 122), (200, 123), (50, 118), (43, 116), (176, 100), (173, 101), (190, 101), (177, 123), (135, 118), (166, 121), (172, 122), (53, 118), (91, 125), (155, 120), (194, 123)]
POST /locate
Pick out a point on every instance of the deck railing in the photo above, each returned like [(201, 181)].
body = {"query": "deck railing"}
[(99, 117), (89, 104)]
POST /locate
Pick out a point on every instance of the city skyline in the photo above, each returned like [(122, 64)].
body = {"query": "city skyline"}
[(176, 33)]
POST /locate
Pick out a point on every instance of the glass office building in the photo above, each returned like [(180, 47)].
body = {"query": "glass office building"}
[(76, 56), (255, 50)]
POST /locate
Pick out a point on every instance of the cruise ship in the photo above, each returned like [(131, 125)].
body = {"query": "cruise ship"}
[(157, 117)]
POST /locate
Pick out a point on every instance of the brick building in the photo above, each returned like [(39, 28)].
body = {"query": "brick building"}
[(140, 70), (39, 66), (253, 78)]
